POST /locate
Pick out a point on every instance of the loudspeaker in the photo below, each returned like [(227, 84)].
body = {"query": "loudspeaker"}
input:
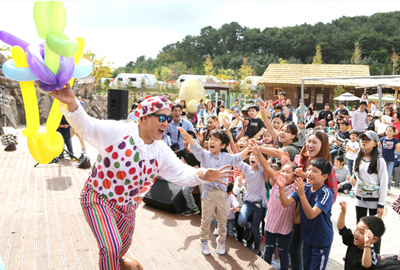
[(166, 196), (117, 106)]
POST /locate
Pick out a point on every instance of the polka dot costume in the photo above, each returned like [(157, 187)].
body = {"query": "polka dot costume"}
[(120, 175), (151, 105)]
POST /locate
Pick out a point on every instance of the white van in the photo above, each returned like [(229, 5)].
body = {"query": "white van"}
[(134, 80), (202, 78), (251, 81)]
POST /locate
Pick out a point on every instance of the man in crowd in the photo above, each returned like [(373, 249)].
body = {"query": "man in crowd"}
[(236, 108), (172, 136), (360, 118), (342, 111), (326, 114), (301, 110)]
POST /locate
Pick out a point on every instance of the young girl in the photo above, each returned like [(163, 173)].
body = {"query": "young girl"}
[(204, 138), (209, 111), (267, 140), (342, 175), (389, 146), (279, 220), (184, 109), (370, 179), (385, 121), (255, 200), (310, 118)]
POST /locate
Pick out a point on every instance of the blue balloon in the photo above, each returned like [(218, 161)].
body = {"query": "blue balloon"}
[(84, 69)]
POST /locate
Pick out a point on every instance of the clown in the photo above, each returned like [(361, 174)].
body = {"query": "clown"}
[(130, 158)]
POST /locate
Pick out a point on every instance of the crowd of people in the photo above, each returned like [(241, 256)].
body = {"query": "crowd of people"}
[(287, 174)]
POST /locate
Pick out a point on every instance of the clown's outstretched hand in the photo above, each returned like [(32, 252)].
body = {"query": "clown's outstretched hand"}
[(66, 96)]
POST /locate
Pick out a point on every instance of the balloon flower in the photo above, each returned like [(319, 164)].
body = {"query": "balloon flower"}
[(50, 66)]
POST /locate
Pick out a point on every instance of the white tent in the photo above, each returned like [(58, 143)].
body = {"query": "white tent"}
[(385, 98), (347, 97)]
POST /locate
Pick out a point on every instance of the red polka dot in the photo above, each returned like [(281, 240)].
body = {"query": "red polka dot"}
[(99, 167), (119, 190), (149, 171), (144, 190), (109, 149), (126, 137), (110, 174), (101, 175), (130, 187), (144, 169), (95, 183), (113, 201), (136, 183), (121, 175), (115, 155), (122, 159), (121, 199), (135, 177), (132, 170), (156, 163), (136, 199), (128, 153)]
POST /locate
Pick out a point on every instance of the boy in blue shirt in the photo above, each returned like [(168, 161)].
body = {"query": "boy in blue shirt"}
[(316, 201)]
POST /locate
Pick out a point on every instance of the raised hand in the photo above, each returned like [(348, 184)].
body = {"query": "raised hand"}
[(285, 158), (299, 172), (226, 123), (279, 180), (343, 206), (299, 186), (215, 175), (66, 96), (261, 106), (368, 235)]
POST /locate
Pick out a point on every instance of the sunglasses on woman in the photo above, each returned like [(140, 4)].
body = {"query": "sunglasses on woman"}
[(163, 117)]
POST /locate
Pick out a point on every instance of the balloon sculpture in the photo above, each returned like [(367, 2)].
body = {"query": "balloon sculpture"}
[(50, 66)]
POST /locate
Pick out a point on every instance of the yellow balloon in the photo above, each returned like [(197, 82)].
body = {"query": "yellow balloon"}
[(34, 150), (53, 142)]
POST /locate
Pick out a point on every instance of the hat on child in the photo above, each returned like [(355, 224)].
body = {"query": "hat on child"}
[(151, 105), (370, 135)]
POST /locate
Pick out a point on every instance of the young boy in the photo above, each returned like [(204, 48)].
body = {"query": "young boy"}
[(352, 149), (342, 175), (301, 135), (214, 198), (316, 201), (331, 127), (281, 99), (233, 206), (187, 157), (322, 125), (360, 254), (256, 126)]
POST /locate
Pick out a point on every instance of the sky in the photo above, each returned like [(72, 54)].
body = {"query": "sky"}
[(124, 30)]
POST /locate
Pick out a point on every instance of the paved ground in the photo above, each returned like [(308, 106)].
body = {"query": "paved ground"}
[(390, 241)]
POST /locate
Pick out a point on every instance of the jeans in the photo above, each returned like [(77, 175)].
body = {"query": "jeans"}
[(334, 153), (362, 212), (296, 254), (187, 193), (390, 166), (283, 244), (256, 209), (230, 224), (344, 187), (68, 143), (350, 163)]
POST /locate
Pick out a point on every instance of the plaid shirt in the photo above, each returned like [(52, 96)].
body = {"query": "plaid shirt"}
[(330, 182)]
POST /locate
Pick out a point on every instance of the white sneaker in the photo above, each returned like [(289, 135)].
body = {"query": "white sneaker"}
[(205, 250), (83, 152), (276, 264), (215, 232), (221, 247)]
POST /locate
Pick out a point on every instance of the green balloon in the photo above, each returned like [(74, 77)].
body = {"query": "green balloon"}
[(62, 45), (58, 17), (51, 60), (42, 17)]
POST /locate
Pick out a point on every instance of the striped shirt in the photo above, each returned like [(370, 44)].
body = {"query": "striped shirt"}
[(279, 219)]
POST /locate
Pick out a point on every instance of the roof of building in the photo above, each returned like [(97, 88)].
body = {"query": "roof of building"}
[(292, 73)]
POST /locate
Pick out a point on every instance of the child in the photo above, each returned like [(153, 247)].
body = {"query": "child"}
[(255, 126), (331, 127), (301, 135), (360, 254), (204, 138), (316, 201), (233, 206), (267, 140), (255, 200), (352, 149), (370, 179), (214, 198), (386, 120), (322, 126), (187, 157), (279, 220), (342, 175), (389, 146)]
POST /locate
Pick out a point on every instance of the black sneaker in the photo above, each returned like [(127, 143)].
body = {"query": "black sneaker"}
[(191, 212)]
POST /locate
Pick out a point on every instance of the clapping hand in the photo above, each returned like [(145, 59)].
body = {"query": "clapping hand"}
[(299, 172), (279, 180), (299, 186), (285, 158)]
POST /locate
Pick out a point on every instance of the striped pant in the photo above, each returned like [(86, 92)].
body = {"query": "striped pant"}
[(111, 224)]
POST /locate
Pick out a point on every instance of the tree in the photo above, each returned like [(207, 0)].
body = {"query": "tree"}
[(100, 68), (208, 66), (356, 58), (6, 49), (144, 71), (225, 74), (166, 74), (156, 74), (337, 91), (245, 71), (282, 61), (317, 60), (394, 58)]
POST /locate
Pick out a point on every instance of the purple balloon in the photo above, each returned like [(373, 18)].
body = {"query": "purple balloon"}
[(13, 40), (38, 67), (66, 70), (42, 50), (49, 88)]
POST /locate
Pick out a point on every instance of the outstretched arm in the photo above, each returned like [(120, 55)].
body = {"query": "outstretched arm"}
[(187, 136), (267, 122), (342, 215), (311, 212)]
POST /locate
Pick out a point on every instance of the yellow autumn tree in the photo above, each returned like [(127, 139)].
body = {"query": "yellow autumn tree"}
[(101, 69), (282, 61), (225, 74), (356, 58), (208, 66), (7, 50), (394, 58), (317, 60), (156, 74), (245, 71)]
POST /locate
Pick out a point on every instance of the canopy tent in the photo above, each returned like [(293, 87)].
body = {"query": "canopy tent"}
[(376, 81), (347, 97), (385, 98)]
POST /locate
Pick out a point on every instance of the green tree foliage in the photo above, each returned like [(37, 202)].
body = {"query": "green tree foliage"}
[(6, 51), (156, 74), (165, 74), (394, 58), (317, 60), (228, 44), (337, 91)]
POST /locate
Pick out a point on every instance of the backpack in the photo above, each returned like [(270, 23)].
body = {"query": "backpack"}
[(371, 124)]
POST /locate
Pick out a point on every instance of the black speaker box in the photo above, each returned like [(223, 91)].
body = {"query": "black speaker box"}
[(117, 105), (166, 196)]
